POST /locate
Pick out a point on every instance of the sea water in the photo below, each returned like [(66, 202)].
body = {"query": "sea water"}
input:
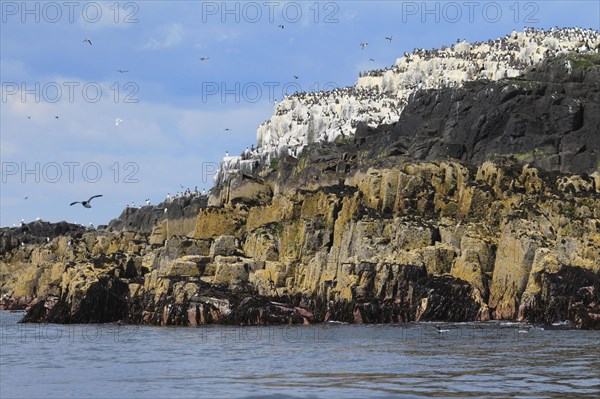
[(415, 360)]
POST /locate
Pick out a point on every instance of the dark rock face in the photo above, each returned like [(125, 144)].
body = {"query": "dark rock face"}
[(571, 294), (105, 301), (548, 117), (37, 233), (143, 220)]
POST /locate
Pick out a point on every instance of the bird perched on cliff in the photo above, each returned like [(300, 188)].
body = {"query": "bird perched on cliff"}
[(87, 40), (246, 154), (86, 204), (363, 45)]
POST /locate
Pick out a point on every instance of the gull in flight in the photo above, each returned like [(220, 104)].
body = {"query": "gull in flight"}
[(388, 38), (121, 71), (86, 204), (296, 77), (117, 121), (204, 58), (371, 59), (280, 26), (363, 45), (88, 40)]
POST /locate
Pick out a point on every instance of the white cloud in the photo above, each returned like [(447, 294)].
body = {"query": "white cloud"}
[(226, 36), (172, 35), (102, 15), (13, 69)]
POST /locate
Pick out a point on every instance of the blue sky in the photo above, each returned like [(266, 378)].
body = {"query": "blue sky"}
[(174, 107)]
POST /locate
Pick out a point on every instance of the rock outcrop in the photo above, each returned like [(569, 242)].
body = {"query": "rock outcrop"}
[(389, 241), (481, 202)]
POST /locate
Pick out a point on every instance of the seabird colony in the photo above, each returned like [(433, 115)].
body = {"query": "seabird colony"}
[(379, 96)]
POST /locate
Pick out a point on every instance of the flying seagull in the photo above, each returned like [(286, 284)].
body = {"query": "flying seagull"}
[(88, 40), (86, 204), (121, 71), (204, 58), (371, 59), (117, 121), (388, 38), (280, 26), (296, 77), (363, 45), (28, 117), (56, 117), (227, 129)]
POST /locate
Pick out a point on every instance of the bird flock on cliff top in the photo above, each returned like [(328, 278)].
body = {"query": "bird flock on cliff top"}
[(380, 95)]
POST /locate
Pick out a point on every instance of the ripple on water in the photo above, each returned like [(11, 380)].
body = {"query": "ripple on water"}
[(470, 360)]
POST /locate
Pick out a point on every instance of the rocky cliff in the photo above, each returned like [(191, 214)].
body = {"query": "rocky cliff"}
[(481, 202), (379, 96)]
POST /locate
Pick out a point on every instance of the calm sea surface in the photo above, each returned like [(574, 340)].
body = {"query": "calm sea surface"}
[(419, 360)]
